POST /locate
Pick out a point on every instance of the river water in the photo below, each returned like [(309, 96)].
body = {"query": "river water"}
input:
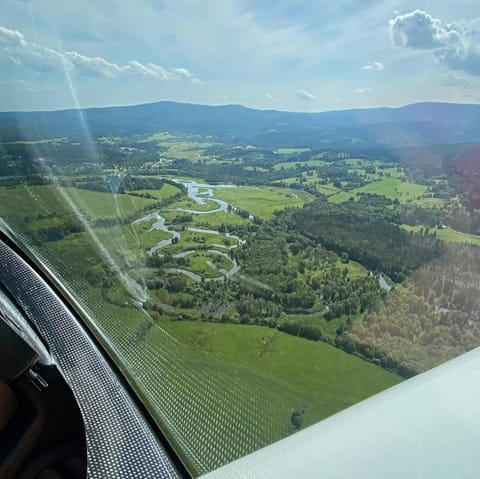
[(383, 284), (201, 198), (159, 225)]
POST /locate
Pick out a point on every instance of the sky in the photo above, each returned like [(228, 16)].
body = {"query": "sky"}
[(311, 55)]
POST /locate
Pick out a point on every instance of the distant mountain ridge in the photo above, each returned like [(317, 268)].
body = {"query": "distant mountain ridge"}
[(412, 125)]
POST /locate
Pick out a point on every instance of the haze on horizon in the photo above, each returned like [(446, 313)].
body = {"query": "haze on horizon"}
[(285, 55)]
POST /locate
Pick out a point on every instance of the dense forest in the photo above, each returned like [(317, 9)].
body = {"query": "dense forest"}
[(363, 232), (434, 318)]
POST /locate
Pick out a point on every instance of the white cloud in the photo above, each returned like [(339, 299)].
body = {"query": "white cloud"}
[(420, 30), (92, 66), (271, 98), (305, 95), (457, 45), (375, 66), (363, 91), (31, 55)]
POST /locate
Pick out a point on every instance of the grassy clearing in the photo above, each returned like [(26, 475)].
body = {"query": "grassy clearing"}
[(355, 270), (158, 137), (262, 201), (328, 190), (341, 197), (166, 191), (208, 265), (185, 150), (448, 235)]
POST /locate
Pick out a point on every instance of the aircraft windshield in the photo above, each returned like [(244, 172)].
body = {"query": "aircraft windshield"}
[(255, 258)]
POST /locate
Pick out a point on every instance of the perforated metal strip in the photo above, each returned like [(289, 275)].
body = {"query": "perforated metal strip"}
[(120, 443)]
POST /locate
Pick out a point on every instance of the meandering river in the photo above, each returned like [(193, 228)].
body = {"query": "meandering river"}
[(200, 197)]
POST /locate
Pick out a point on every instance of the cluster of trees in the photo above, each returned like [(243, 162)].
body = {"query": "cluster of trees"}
[(69, 225), (127, 184), (250, 306), (297, 274)]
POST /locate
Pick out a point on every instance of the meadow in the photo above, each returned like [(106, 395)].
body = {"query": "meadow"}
[(65, 200), (262, 201), (393, 189)]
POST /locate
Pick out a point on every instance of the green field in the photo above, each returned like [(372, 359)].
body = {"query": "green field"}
[(186, 150), (247, 347), (167, 191), (449, 235), (262, 201), (158, 137), (392, 188), (342, 197), (208, 221), (260, 361), (48, 199)]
